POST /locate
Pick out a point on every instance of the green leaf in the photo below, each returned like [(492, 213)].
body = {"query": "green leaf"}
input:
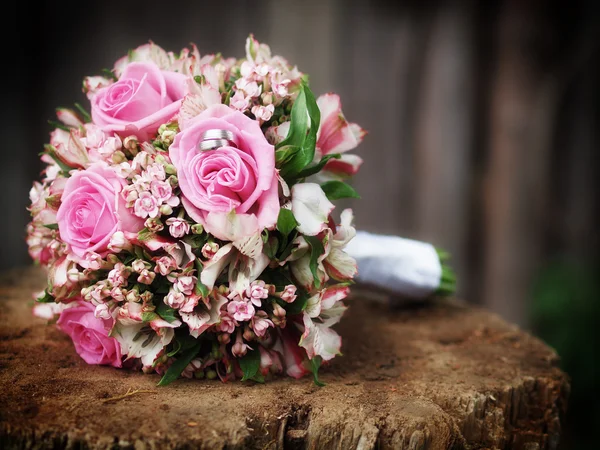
[(287, 249), (299, 122), (109, 74), (179, 365), (200, 289), (311, 170), (84, 113), (182, 342), (264, 235), (258, 378), (45, 298), (334, 190), (286, 222), (187, 341), (166, 312), (316, 250), (270, 247), (149, 316), (285, 154), (315, 119), (277, 278), (250, 364), (176, 348), (315, 364), (304, 124), (196, 240), (139, 252), (56, 124), (52, 226)]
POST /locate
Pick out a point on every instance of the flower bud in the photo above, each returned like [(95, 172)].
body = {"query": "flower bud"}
[(197, 228), (118, 294), (279, 321), (249, 334), (267, 98), (209, 249), (123, 169), (105, 289), (139, 265), (86, 293), (147, 296), (154, 224), (74, 275), (102, 311), (174, 299), (112, 259), (162, 359), (133, 295), (92, 261), (173, 181), (170, 169), (118, 242), (223, 290), (147, 307), (224, 338), (148, 369), (131, 143), (167, 136), (239, 349), (130, 194), (165, 265), (118, 157), (278, 311), (146, 277), (165, 210), (289, 293)]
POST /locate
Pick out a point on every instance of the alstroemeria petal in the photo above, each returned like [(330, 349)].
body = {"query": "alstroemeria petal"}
[(319, 340), (215, 265), (340, 265), (311, 208)]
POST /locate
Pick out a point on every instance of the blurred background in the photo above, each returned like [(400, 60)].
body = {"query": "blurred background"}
[(483, 122)]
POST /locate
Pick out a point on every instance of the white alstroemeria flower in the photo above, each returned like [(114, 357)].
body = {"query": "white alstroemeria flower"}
[(311, 208)]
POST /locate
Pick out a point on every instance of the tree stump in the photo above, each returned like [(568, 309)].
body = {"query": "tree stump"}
[(442, 375)]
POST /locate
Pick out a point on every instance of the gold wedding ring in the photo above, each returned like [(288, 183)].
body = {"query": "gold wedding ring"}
[(213, 139)]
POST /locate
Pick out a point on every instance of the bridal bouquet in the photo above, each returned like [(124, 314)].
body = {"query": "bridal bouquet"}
[(186, 221)]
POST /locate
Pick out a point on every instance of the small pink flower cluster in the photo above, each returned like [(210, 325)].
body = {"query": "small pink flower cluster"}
[(264, 82), (182, 228)]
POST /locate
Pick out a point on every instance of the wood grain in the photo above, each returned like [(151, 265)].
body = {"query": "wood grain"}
[(435, 376)]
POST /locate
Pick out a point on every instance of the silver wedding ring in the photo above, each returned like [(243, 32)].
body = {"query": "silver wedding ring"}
[(213, 139)]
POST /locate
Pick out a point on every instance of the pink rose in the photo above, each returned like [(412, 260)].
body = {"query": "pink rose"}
[(90, 334), (92, 210), (144, 98), (215, 182)]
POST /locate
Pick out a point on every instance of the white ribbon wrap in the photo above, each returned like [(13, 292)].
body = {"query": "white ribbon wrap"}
[(404, 266)]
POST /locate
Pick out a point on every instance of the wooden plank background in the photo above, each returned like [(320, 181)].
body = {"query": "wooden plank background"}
[(482, 116)]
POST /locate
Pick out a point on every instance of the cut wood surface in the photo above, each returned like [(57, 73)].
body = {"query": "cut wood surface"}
[(435, 376)]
